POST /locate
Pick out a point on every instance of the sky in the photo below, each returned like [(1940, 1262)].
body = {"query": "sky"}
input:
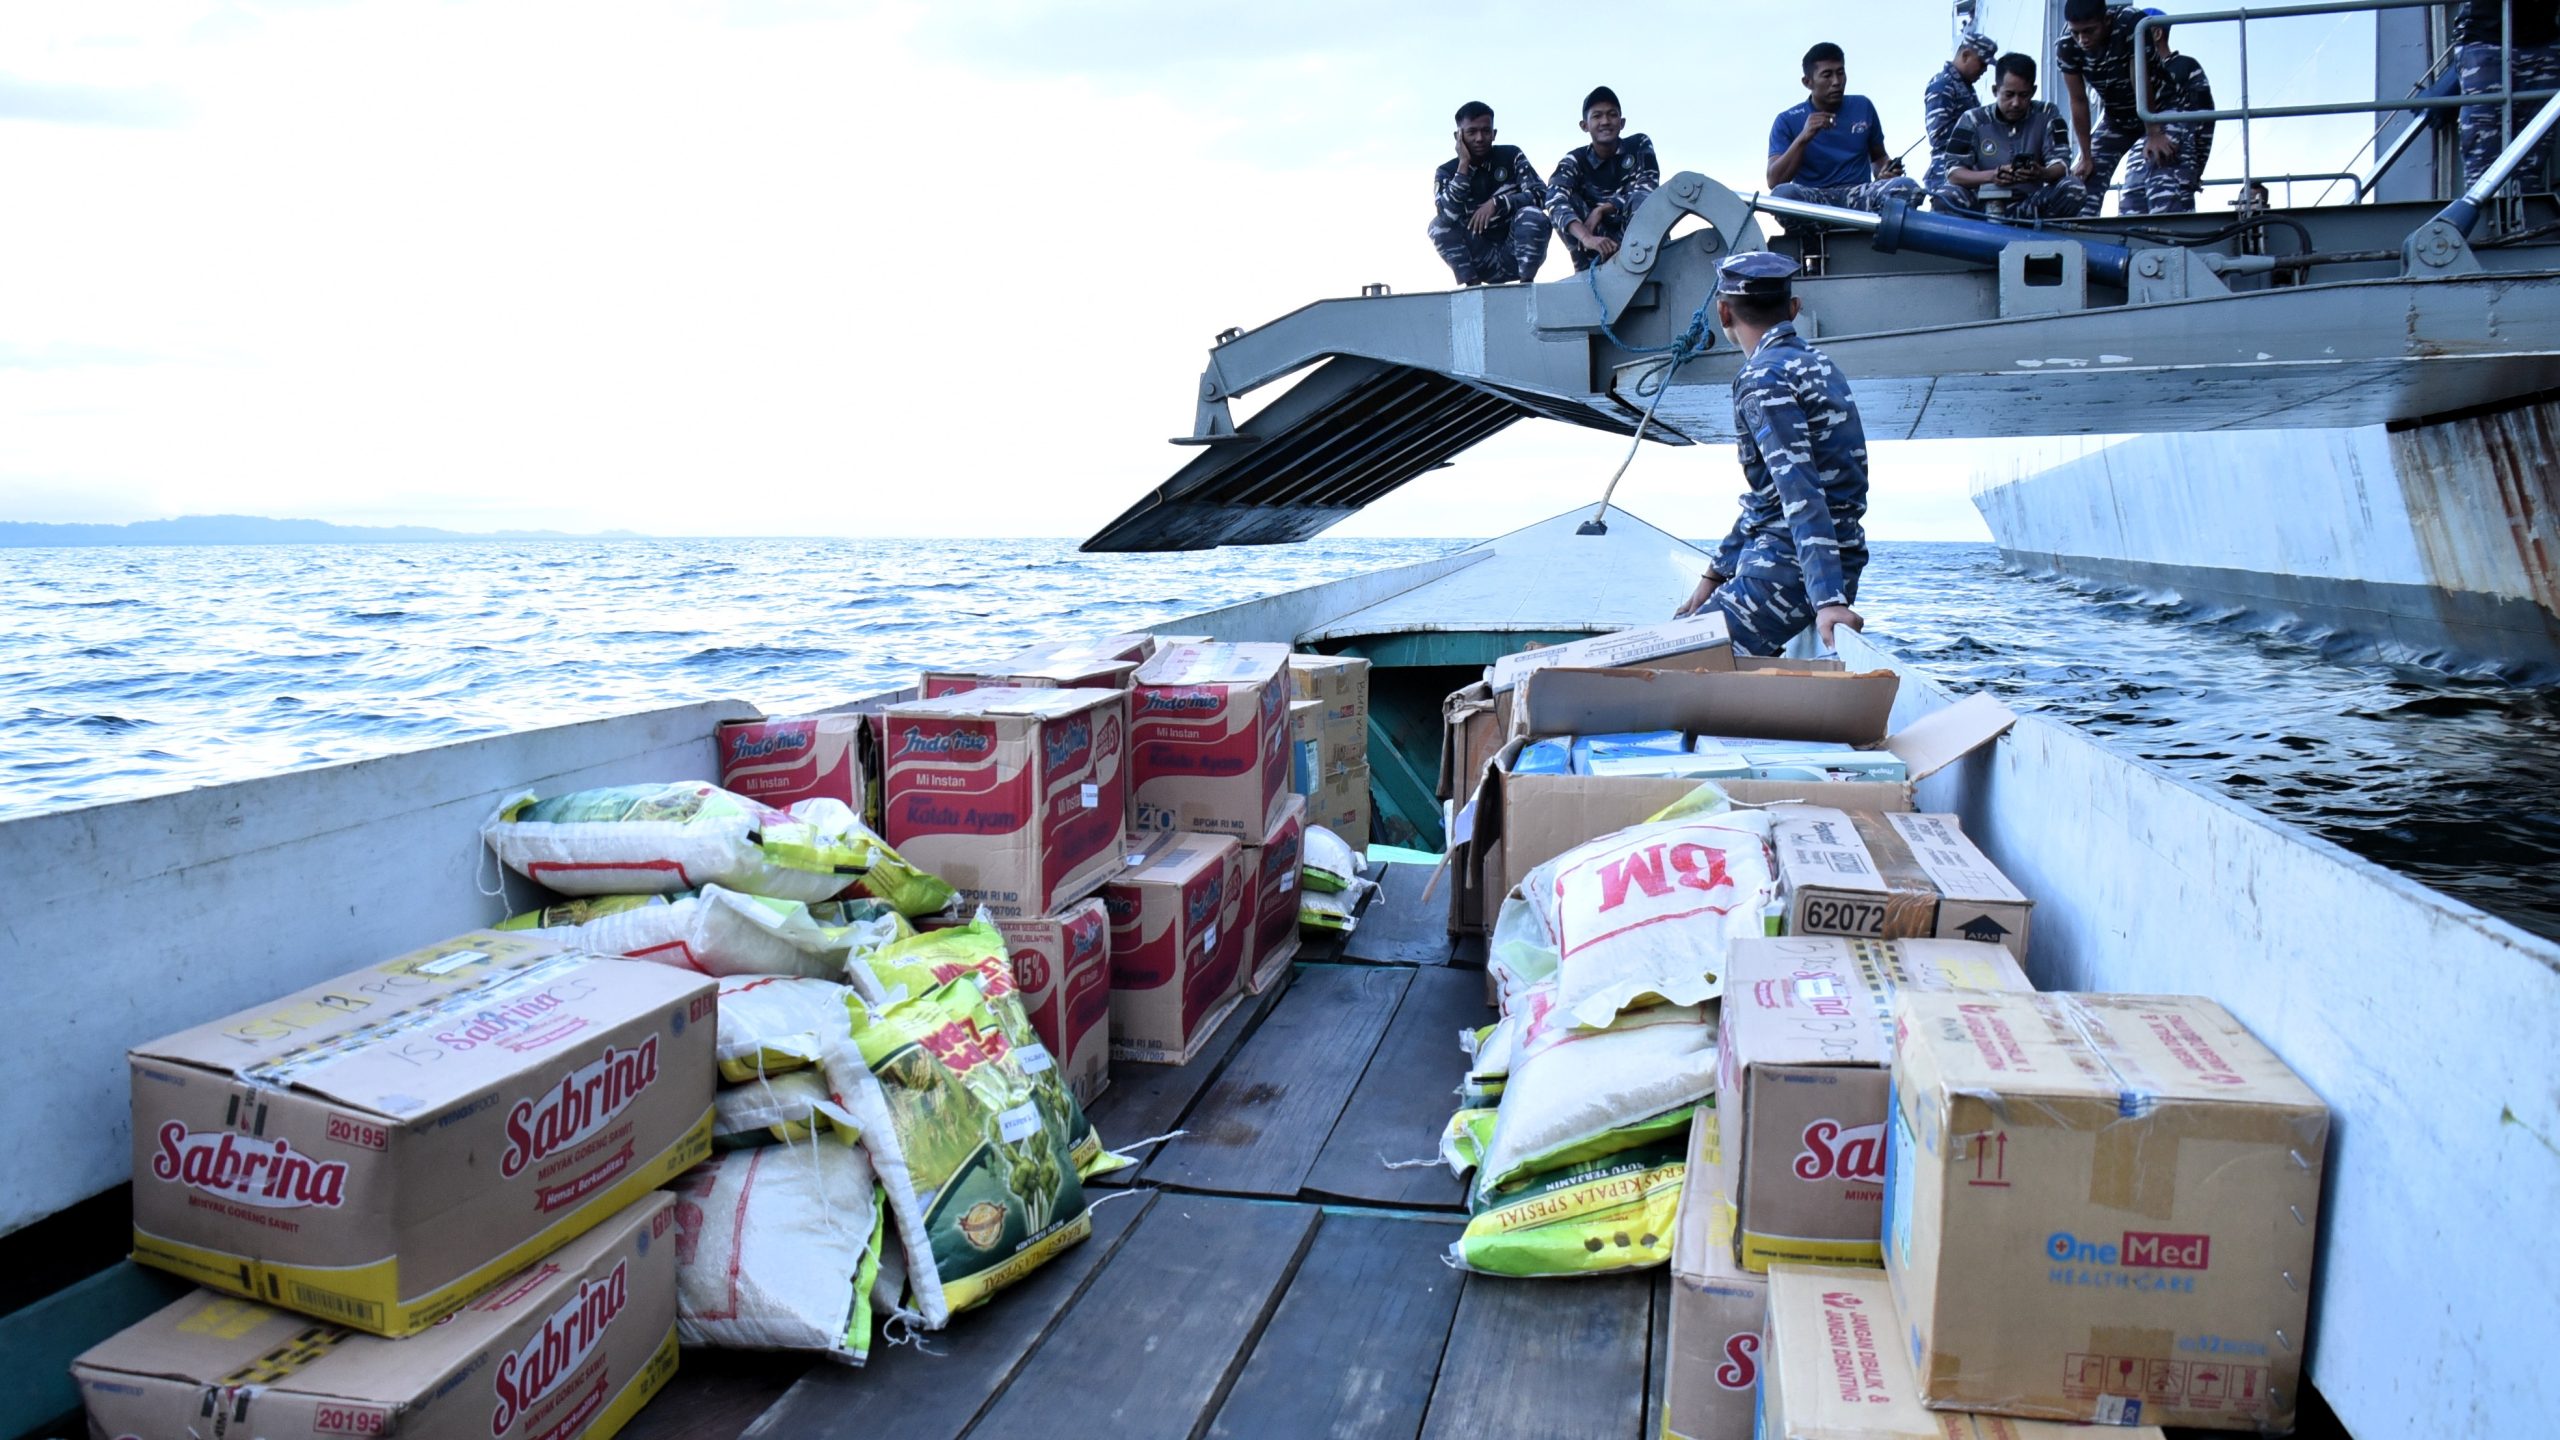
[(802, 267)]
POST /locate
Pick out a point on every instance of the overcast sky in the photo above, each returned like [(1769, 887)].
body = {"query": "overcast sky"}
[(792, 266)]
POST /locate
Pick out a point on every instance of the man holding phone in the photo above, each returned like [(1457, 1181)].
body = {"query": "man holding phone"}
[(1830, 149), (1488, 217), (2018, 143)]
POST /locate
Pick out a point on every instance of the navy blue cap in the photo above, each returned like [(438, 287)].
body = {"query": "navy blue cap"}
[(1759, 274), (1982, 45)]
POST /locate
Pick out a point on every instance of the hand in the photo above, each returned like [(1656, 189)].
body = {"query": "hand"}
[(1891, 170), (1483, 216), (1828, 620), (1699, 597), (2162, 149), (1602, 246), (1815, 122), (2085, 166), (1466, 160)]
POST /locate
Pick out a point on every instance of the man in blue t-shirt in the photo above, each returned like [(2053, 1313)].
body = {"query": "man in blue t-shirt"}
[(1830, 149)]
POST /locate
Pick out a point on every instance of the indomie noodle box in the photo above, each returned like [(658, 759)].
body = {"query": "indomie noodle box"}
[(1016, 797), (1209, 735), (1274, 867), (1178, 944), (570, 1347), (379, 1149), (1063, 964)]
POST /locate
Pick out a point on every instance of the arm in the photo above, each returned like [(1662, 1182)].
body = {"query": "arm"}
[(1962, 141), (1526, 186), (1777, 424), (1563, 207), (1449, 192), (2087, 164), (1786, 155)]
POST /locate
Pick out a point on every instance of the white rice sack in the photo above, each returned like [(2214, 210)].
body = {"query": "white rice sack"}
[(787, 1107), (721, 932), (1326, 860), (777, 1249), (1645, 914), (771, 1024), (661, 839), (1574, 1093), (1520, 953)]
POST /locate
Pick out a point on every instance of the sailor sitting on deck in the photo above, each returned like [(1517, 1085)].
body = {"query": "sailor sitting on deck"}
[(1949, 96), (1598, 186), (1830, 149), (2018, 143), (1488, 219), (1797, 549)]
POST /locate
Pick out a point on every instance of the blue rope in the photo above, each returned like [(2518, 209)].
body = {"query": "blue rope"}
[(1689, 345)]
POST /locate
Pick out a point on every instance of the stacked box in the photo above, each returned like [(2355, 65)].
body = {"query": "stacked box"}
[(1062, 967), (1891, 877), (1178, 943), (2101, 1208), (379, 1149), (1338, 687), (1339, 684), (1013, 796), (1802, 1090), (1273, 868), (1717, 1309), (785, 760), (1306, 745), (1087, 674), (1209, 732), (568, 1348)]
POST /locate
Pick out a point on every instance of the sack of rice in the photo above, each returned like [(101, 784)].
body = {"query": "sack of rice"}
[(790, 1106), (661, 839), (778, 1248), (771, 1024), (1520, 953), (1613, 1212), (938, 957), (1645, 914), (1575, 1093), (1330, 863), (982, 1189), (721, 932)]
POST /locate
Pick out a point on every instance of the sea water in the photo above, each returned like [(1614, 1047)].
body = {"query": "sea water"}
[(131, 671)]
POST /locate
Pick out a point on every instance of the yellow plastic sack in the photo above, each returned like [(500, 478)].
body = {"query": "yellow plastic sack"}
[(1614, 1212)]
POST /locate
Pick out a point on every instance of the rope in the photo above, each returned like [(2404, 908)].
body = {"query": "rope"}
[(1690, 344)]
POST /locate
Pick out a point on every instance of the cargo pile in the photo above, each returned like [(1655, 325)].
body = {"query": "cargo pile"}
[(881, 967)]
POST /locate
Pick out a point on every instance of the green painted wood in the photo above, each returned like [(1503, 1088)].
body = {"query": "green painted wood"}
[(39, 1341), (1356, 1341), (1451, 647), (1402, 790)]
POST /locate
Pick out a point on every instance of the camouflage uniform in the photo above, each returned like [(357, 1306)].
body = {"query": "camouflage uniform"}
[(1798, 544), (2109, 73), (1984, 141), (2155, 188), (1582, 183), (1514, 245), (2535, 62), (1941, 106)]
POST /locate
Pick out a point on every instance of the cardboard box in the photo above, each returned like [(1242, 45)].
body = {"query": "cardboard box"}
[(1522, 821), (1274, 867), (1306, 745), (1892, 877), (1062, 966), (1339, 684), (1014, 796), (802, 757), (1346, 742), (2101, 1207), (1178, 944), (379, 1149), (1209, 732), (1835, 1369), (1717, 1309), (1094, 674), (1341, 805), (1634, 646), (1804, 1040), (570, 1347)]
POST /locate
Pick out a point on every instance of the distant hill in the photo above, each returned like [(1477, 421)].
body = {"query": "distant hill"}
[(259, 530)]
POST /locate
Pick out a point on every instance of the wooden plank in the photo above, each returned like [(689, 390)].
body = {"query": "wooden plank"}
[(1353, 1347), (1468, 951), (1150, 1350), (1658, 1355), (1149, 1100), (1398, 927), (1403, 1100), (1259, 1127), (717, 1394), (1534, 1359), (936, 1396)]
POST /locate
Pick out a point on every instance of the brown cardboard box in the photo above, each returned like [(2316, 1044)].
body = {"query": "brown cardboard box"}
[(1062, 966), (381, 1148), (2101, 1207), (1522, 821), (1702, 634), (1717, 1309), (569, 1347), (1209, 735), (1178, 944), (1089, 674), (1346, 742), (1306, 745), (1273, 867), (1891, 877), (1341, 805), (1014, 796), (803, 757), (1339, 684), (1802, 1087), (1834, 1368)]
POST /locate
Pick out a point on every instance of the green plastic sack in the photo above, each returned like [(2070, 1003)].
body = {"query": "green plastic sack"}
[(937, 957), (1613, 1212), (982, 1186)]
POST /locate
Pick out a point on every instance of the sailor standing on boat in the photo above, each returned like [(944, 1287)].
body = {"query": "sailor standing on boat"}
[(1798, 547)]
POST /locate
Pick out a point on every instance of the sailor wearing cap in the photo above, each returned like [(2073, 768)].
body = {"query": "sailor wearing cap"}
[(1949, 96), (1797, 549)]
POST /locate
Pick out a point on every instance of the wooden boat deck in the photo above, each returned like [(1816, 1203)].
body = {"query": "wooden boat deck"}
[(1263, 1275)]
